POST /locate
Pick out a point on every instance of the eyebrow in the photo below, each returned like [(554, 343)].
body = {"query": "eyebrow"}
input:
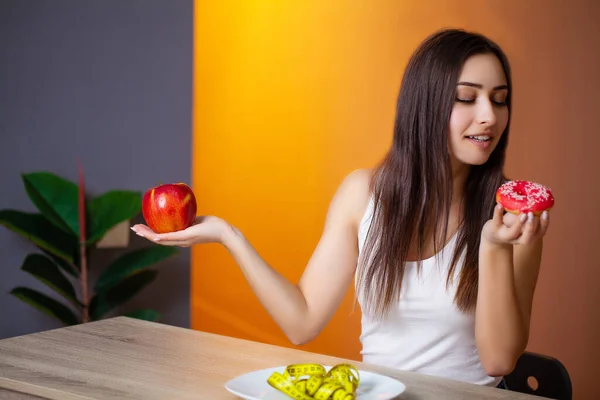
[(479, 86)]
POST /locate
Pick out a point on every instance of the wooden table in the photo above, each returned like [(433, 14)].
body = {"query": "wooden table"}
[(123, 358)]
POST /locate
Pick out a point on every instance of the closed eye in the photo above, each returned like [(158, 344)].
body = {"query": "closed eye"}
[(471, 101)]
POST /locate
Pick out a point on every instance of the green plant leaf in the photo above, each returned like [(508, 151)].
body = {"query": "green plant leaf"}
[(67, 267), (41, 232), (131, 263), (46, 304), (55, 198), (145, 314), (45, 270), (109, 209), (104, 301)]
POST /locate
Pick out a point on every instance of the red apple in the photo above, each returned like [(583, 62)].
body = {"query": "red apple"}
[(169, 207)]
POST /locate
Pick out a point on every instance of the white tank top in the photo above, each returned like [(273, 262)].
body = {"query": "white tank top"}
[(424, 332)]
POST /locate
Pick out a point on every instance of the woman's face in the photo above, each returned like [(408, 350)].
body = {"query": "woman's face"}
[(480, 114)]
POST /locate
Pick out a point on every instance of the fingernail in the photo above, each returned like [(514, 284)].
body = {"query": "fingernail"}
[(139, 234), (523, 217), (530, 216), (545, 215), (133, 229)]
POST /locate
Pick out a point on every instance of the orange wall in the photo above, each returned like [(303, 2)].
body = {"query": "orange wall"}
[(291, 96)]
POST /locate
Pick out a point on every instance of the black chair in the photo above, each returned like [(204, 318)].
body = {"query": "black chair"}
[(540, 375)]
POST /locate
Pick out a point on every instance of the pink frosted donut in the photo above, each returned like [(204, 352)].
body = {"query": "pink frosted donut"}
[(522, 197)]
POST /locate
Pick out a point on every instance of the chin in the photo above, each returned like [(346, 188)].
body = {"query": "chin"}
[(479, 161), (472, 156), (473, 159)]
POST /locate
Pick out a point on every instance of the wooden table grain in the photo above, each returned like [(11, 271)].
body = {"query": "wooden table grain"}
[(124, 358)]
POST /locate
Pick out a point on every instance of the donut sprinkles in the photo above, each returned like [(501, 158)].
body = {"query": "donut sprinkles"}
[(523, 197)]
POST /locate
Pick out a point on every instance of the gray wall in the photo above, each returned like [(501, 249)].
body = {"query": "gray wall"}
[(109, 81)]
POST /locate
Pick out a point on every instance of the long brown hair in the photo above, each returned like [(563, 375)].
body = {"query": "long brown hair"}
[(412, 186)]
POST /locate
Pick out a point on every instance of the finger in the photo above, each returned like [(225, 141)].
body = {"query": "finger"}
[(544, 222), (143, 231), (509, 219), (530, 228), (498, 215), (165, 238), (513, 232), (149, 234)]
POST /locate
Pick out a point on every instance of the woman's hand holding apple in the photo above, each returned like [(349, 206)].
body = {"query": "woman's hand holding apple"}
[(170, 212), (204, 229)]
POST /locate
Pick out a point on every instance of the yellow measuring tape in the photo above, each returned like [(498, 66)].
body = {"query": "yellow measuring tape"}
[(312, 382)]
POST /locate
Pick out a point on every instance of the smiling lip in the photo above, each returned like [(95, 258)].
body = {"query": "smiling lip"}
[(481, 141), (481, 134)]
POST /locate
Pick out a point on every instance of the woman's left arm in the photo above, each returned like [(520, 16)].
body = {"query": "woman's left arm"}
[(509, 262)]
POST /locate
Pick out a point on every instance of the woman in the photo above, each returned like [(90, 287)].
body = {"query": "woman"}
[(445, 280)]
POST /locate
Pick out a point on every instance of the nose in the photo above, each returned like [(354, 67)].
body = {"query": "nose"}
[(486, 114)]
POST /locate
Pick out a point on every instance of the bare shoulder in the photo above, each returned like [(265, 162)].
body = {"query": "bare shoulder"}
[(353, 194)]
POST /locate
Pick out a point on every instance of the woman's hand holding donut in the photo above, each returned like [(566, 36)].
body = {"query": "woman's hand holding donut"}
[(511, 229)]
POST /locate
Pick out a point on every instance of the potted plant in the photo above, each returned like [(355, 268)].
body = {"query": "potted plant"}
[(66, 229)]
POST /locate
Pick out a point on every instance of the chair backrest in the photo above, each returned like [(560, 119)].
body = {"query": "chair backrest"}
[(540, 375)]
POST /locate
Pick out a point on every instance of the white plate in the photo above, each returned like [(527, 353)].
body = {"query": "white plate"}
[(254, 386)]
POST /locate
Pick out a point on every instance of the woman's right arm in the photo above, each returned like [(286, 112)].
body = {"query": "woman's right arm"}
[(302, 310)]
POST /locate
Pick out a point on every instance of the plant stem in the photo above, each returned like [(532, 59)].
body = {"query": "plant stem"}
[(84, 283), (85, 314)]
